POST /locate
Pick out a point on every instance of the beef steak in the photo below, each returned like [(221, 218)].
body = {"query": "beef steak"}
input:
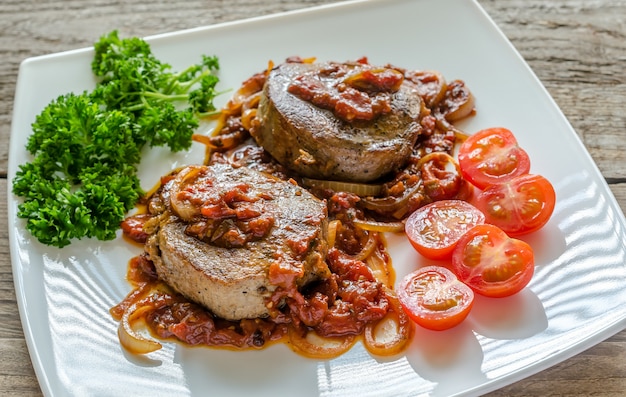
[(303, 123), (231, 275)]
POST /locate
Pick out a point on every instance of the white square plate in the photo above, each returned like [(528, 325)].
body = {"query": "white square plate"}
[(575, 300)]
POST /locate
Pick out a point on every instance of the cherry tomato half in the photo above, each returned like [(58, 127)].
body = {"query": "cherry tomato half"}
[(522, 205), (435, 228), (492, 263), (434, 298), (492, 156)]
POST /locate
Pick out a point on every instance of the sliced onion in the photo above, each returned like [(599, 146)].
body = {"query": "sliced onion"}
[(444, 125), (389, 205), (460, 136), (390, 335), (129, 338), (246, 118), (183, 208), (249, 88), (459, 101), (368, 248), (333, 226), (220, 122), (361, 80), (227, 141), (137, 293), (431, 85), (360, 189), (380, 268), (252, 102), (448, 159), (315, 346), (375, 226)]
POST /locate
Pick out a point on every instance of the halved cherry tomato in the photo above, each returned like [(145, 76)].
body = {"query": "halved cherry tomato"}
[(492, 263), (434, 298), (522, 205), (435, 228), (492, 156)]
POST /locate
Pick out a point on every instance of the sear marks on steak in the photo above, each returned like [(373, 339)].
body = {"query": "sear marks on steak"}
[(221, 231), (339, 121)]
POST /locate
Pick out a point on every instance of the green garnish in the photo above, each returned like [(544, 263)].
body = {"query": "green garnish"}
[(83, 178)]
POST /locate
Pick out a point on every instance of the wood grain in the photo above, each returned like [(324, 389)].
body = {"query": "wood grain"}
[(577, 48), (578, 51)]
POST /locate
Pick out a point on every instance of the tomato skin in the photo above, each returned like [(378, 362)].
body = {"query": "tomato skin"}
[(434, 298), (435, 228), (492, 156), (492, 263), (520, 206)]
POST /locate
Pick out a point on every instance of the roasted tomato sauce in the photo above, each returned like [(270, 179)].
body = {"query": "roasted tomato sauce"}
[(355, 91), (339, 306), (229, 217), (352, 300)]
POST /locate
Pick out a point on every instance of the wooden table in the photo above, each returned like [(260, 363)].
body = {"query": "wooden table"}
[(576, 47)]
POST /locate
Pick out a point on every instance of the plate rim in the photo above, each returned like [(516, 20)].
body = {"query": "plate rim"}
[(16, 266)]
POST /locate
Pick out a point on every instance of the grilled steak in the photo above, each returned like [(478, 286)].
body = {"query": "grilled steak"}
[(225, 235), (340, 121)]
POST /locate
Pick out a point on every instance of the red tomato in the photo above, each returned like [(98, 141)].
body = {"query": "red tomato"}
[(492, 156), (434, 298), (522, 205), (435, 228), (492, 263)]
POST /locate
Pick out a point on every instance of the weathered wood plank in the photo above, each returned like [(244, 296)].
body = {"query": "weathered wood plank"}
[(578, 50), (16, 372)]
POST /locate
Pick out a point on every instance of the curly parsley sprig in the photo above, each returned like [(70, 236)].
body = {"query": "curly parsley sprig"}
[(82, 179)]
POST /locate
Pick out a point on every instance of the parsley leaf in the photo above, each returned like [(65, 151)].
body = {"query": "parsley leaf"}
[(82, 179)]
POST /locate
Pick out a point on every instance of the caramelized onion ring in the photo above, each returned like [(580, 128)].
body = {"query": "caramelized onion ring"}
[(315, 346), (389, 335), (380, 268), (458, 102), (431, 85), (360, 189), (368, 248), (224, 142), (448, 159), (391, 204), (375, 226), (182, 208), (248, 89), (140, 291), (129, 338), (246, 120), (442, 178), (333, 226)]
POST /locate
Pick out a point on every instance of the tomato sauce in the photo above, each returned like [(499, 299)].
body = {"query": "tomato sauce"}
[(351, 299), (352, 92), (339, 306)]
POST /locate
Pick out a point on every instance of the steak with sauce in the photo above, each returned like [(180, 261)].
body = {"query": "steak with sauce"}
[(339, 121), (225, 237)]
